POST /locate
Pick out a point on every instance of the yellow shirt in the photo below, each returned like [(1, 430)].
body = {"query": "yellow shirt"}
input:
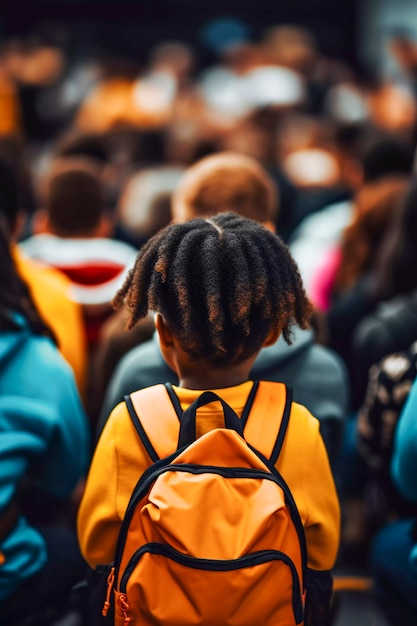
[(120, 459), (50, 291)]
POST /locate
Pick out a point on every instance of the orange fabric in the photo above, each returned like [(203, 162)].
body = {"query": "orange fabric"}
[(50, 292), (209, 516), (163, 433), (120, 459), (10, 122), (195, 600)]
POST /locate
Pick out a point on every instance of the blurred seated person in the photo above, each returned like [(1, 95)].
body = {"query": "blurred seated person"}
[(365, 156), (233, 182), (392, 327), (394, 553), (44, 455), (390, 277), (389, 384), (49, 288), (374, 211), (73, 233)]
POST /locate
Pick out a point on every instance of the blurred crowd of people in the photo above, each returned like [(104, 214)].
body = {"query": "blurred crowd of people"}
[(92, 148)]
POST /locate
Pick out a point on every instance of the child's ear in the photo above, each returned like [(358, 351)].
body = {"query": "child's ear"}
[(164, 332), (272, 338)]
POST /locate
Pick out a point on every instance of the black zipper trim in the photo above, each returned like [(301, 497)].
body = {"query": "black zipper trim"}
[(144, 483), (217, 565), (227, 472), (165, 465)]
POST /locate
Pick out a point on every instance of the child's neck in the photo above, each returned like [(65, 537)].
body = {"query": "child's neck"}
[(203, 376)]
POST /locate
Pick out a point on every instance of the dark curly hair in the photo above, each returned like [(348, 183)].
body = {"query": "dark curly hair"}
[(223, 284)]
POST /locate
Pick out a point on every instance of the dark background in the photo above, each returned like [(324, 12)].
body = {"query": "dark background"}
[(133, 26)]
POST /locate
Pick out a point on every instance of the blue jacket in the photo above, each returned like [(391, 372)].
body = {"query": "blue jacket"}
[(43, 427), (404, 461)]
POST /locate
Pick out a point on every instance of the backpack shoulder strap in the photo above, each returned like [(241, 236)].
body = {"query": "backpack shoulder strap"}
[(265, 424), (159, 423)]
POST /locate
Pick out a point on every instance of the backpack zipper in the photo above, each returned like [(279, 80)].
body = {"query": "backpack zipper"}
[(165, 465), (218, 565)]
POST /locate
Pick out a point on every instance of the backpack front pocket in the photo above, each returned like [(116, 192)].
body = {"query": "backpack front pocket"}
[(163, 586)]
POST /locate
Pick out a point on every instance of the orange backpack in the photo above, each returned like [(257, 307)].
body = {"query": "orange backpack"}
[(211, 535)]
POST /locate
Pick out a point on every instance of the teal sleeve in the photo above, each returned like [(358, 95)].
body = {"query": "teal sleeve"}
[(404, 461)]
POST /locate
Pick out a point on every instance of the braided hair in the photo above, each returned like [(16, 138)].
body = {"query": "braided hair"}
[(223, 284)]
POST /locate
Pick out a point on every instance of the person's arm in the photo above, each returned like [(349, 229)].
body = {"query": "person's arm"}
[(67, 455), (322, 527), (305, 466), (118, 462), (311, 482)]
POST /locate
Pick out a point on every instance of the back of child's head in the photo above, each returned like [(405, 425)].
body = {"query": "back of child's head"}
[(224, 182), (73, 198), (223, 284)]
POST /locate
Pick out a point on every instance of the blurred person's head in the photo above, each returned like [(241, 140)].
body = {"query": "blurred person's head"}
[(398, 256), (33, 63), (291, 46), (72, 200), (307, 151), (145, 202), (367, 154), (376, 210), (226, 182), (393, 107), (223, 35), (175, 58), (385, 155), (252, 138)]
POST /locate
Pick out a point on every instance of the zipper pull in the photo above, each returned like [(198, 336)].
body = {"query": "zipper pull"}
[(106, 605), (125, 607)]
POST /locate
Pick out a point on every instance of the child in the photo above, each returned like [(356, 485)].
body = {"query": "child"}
[(220, 289), (220, 183)]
